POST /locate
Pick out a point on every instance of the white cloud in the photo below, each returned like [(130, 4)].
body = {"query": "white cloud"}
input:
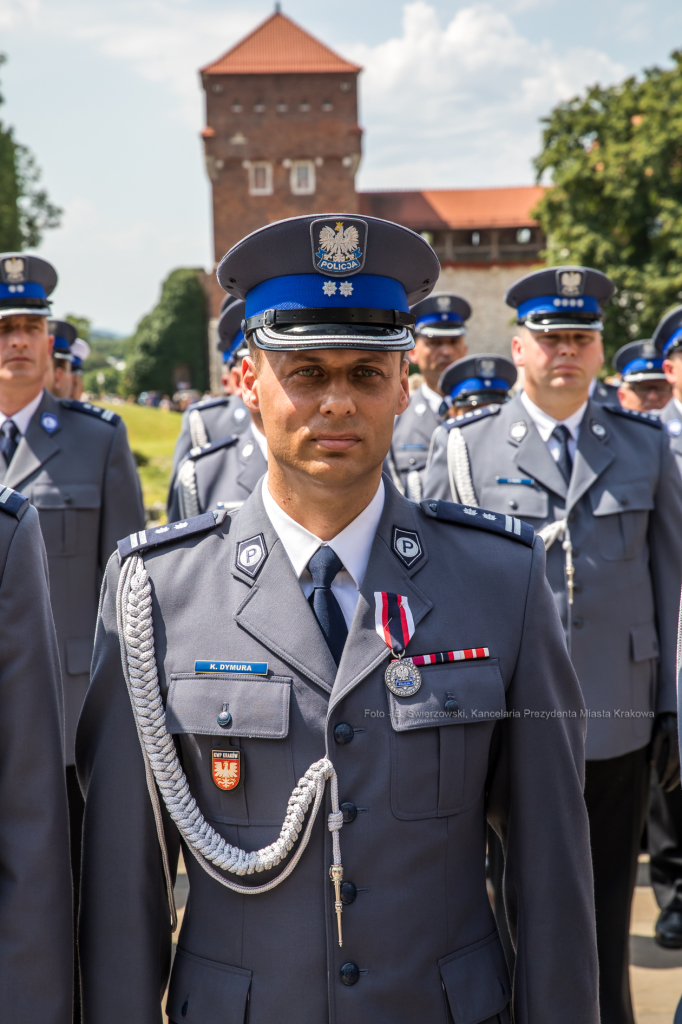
[(459, 105)]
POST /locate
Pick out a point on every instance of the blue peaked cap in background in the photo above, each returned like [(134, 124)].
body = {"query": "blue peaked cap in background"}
[(230, 335), (80, 350), (26, 282), (668, 334), (639, 360), (333, 281), (65, 335), (441, 315), (478, 379), (561, 298)]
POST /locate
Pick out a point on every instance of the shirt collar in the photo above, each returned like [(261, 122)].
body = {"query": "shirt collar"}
[(23, 417), (678, 406), (546, 423), (260, 440), (352, 545), (432, 397)]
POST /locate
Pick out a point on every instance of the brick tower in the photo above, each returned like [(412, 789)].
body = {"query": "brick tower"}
[(282, 135)]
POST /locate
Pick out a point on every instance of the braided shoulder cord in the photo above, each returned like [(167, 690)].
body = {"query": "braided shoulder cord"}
[(134, 605), (188, 498), (459, 470), (197, 429)]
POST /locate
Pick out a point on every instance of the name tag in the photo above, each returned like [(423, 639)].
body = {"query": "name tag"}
[(255, 668), (515, 480)]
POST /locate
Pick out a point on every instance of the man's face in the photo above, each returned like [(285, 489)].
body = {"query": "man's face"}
[(645, 395), (327, 414), (433, 355), (561, 360), (62, 382), (25, 350)]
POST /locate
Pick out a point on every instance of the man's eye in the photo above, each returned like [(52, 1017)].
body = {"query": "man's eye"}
[(308, 371), (365, 371)]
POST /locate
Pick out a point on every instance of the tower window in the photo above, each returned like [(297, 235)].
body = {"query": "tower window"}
[(259, 107), (305, 106), (282, 107), (217, 87), (236, 107), (523, 236), (302, 177), (475, 238), (260, 178), (344, 86), (327, 106)]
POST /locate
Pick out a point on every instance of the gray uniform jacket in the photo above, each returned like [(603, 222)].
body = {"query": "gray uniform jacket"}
[(624, 508), (76, 467), (36, 969), (410, 445), (421, 929), (208, 421), (605, 394), (672, 422), (224, 472)]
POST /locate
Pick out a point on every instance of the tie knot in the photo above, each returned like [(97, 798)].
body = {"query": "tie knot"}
[(562, 433), (324, 566), (10, 429)]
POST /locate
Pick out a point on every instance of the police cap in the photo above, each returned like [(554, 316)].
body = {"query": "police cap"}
[(561, 298), (80, 350), (230, 335), (25, 284), (639, 360), (336, 281), (65, 335), (441, 316), (668, 334), (475, 379)]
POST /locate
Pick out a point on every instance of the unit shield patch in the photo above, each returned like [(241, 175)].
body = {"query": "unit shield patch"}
[(339, 246), (226, 769), (407, 546)]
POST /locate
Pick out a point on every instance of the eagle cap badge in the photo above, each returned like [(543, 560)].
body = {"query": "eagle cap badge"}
[(486, 367), (339, 246), (443, 303), (569, 283), (14, 269)]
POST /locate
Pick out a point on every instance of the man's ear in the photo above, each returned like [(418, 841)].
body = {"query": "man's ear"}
[(404, 396), (517, 350), (50, 344), (249, 384)]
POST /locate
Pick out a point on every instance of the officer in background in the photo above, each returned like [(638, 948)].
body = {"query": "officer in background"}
[(223, 473), (36, 947), (58, 379), (214, 418), (80, 350), (475, 381), (324, 571), (643, 387), (439, 340), (73, 462), (600, 485)]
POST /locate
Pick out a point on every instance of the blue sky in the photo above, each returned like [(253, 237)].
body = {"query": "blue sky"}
[(107, 96)]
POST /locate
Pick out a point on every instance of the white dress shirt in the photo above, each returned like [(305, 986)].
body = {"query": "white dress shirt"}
[(546, 424), (260, 440), (352, 545), (433, 398), (23, 417)]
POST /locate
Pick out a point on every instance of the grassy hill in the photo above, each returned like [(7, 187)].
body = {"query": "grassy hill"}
[(152, 434)]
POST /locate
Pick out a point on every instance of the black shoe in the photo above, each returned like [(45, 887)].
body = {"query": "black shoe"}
[(669, 925)]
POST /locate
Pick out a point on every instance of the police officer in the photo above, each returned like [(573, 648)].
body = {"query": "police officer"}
[(80, 350), (439, 340), (643, 387), (36, 949), (73, 463), (328, 631), (223, 473), (213, 418), (600, 485), (475, 381), (59, 380), (668, 342)]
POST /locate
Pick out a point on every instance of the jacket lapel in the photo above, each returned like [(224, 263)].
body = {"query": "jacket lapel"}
[(35, 447), (251, 469), (364, 649), (534, 459), (592, 454), (275, 610)]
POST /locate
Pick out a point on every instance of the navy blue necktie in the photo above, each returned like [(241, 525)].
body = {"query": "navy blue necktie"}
[(323, 567), (9, 441), (564, 462)]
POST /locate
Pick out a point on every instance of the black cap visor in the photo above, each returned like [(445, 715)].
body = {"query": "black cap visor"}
[(562, 321)]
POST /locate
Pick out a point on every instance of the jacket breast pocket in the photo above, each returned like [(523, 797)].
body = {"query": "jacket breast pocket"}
[(69, 516), (621, 513), (258, 729), (439, 757), (521, 500), (206, 992)]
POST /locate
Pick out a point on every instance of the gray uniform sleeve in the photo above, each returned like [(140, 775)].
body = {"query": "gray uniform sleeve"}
[(36, 968), (182, 446), (122, 506), (665, 547), (548, 888), (436, 478), (124, 927)]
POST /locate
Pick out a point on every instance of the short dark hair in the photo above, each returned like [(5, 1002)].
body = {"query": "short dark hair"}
[(255, 353)]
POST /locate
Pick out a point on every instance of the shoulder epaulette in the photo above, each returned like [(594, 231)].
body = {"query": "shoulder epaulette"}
[(212, 446), (471, 417), (210, 403), (494, 522), (92, 410), (11, 501), (632, 414), (136, 543)]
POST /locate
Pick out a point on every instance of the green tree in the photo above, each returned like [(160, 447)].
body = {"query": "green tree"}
[(615, 160), (169, 345), (82, 324), (25, 210)]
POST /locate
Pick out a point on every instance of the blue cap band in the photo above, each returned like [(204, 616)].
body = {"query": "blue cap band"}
[(238, 342), (556, 304), (672, 340), (643, 365), (30, 290), (312, 291), (438, 318), (77, 363), (61, 344), (480, 384)]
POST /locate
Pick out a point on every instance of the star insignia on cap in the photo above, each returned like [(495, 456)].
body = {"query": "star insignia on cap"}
[(329, 288), (346, 288)]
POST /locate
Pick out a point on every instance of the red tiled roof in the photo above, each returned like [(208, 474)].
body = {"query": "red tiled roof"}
[(279, 46), (455, 209)]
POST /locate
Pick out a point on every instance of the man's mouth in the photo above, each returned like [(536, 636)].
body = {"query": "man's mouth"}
[(333, 443)]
